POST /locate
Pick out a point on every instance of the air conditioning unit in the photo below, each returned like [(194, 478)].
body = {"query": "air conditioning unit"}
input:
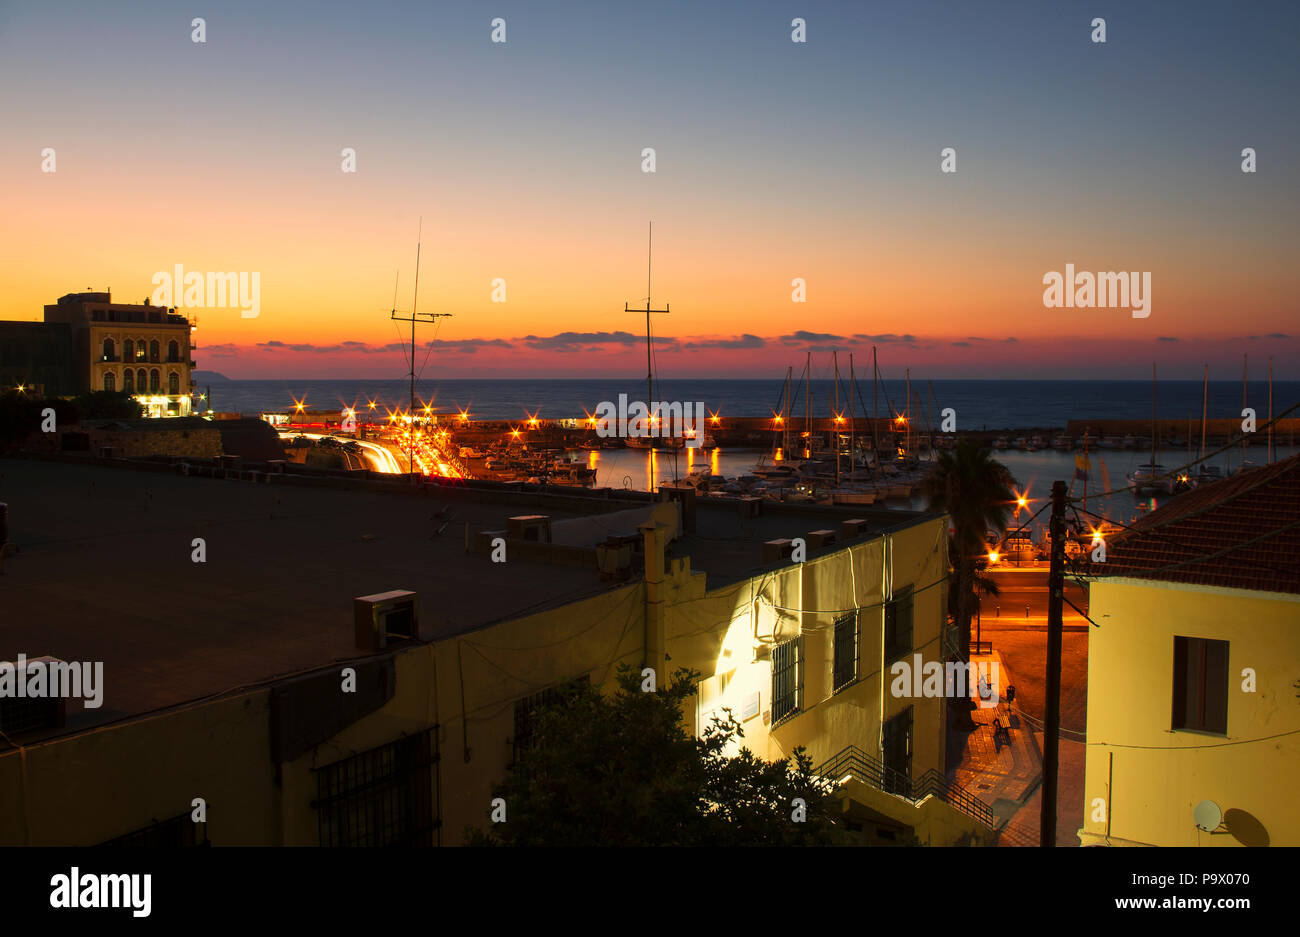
[(776, 550), (855, 527), (385, 618), (750, 506), (535, 527), (820, 538), (27, 713)]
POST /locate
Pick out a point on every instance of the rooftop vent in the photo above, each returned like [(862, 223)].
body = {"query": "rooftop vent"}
[(855, 527), (384, 619), (27, 713)]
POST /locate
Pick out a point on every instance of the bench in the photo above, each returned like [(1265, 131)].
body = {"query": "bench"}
[(1000, 732)]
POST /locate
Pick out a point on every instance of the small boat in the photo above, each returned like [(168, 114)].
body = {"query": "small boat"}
[(1037, 442), (1150, 477), (1023, 444), (1001, 443), (1063, 443), (1208, 474)]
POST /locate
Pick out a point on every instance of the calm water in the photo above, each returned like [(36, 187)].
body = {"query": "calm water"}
[(1034, 472), (979, 404)]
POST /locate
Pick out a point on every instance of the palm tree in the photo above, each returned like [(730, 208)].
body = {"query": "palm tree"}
[(974, 490)]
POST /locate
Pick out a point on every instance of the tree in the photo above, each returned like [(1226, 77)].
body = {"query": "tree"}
[(623, 770), (974, 490), (108, 405)]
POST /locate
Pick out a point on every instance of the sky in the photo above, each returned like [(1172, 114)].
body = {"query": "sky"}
[(522, 161)]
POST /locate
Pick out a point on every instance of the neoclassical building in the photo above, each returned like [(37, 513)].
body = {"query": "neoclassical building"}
[(142, 349)]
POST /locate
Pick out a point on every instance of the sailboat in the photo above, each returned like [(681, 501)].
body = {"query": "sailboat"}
[(1151, 478), (651, 441)]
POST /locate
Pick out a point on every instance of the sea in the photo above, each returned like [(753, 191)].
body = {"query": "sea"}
[(978, 405)]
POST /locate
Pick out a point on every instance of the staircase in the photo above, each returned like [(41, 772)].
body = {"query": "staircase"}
[(855, 763)]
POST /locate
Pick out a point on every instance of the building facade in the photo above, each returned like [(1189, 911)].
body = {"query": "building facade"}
[(799, 651), (141, 349), (1192, 672)]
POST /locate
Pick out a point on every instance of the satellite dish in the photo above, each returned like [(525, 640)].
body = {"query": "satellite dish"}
[(1208, 816)]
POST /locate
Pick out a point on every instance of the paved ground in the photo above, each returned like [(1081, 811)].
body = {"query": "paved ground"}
[(1008, 776)]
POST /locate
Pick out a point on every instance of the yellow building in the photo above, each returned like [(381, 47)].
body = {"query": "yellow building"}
[(247, 684), (1192, 672), (141, 349)]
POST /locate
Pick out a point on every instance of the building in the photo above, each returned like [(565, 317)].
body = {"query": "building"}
[(141, 349), (1192, 672), (37, 355), (223, 677)]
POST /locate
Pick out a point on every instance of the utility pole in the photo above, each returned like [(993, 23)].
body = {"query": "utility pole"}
[(1052, 721), (426, 317), (649, 366)]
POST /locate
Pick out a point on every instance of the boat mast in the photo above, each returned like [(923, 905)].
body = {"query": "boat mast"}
[(1270, 408), (875, 404), (853, 426), (1243, 406), (649, 366), (1155, 433), (807, 419), (835, 408), (1205, 398), (907, 447), (785, 422)]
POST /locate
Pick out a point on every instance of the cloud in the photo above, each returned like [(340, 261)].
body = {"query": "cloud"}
[(887, 338), (961, 344), (464, 346), (801, 336), (744, 341), (1166, 338), (578, 341)]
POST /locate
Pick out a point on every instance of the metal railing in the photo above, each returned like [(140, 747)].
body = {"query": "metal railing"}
[(856, 763)]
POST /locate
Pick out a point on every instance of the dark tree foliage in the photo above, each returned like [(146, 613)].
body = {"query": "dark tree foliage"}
[(108, 405), (21, 415), (623, 770)]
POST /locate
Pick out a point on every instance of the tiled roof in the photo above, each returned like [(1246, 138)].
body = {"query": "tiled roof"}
[(1242, 533)]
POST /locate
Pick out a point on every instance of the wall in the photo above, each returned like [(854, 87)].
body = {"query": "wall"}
[(1159, 775)]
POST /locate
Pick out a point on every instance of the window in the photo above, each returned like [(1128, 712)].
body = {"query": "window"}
[(154, 378), (1201, 685), (109, 349), (128, 350), (128, 381), (173, 383), (173, 351), (787, 679), (178, 831), (846, 650), (382, 797), (110, 381), (527, 710), (153, 351), (898, 624), (141, 381)]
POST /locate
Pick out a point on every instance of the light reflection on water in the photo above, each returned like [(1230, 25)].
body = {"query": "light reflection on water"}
[(643, 470)]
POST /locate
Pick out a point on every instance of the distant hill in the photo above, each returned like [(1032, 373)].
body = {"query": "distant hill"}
[(212, 376)]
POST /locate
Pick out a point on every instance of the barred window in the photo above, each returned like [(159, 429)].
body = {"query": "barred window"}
[(530, 707), (180, 830), (846, 650), (787, 679), (898, 623), (381, 797)]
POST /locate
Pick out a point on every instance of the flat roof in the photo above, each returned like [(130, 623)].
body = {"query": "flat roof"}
[(104, 570)]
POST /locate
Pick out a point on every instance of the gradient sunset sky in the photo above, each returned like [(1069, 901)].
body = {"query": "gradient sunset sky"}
[(775, 160)]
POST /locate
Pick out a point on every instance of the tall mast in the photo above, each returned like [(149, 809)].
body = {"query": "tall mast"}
[(835, 412), (907, 415), (1243, 406), (1270, 408), (785, 422), (875, 403), (807, 417), (649, 366), (427, 318), (853, 426), (1155, 434), (1205, 399)]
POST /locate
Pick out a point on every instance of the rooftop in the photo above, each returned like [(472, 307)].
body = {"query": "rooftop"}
[(1242, 533), (104, 573)]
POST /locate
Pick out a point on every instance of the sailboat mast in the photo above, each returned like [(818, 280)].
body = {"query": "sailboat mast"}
[(1205, 399), (875, 403), (807, 418), (1243, 406), (1270, 408), (907, 447), (853, 425), (835, 412), (1155, 433)]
